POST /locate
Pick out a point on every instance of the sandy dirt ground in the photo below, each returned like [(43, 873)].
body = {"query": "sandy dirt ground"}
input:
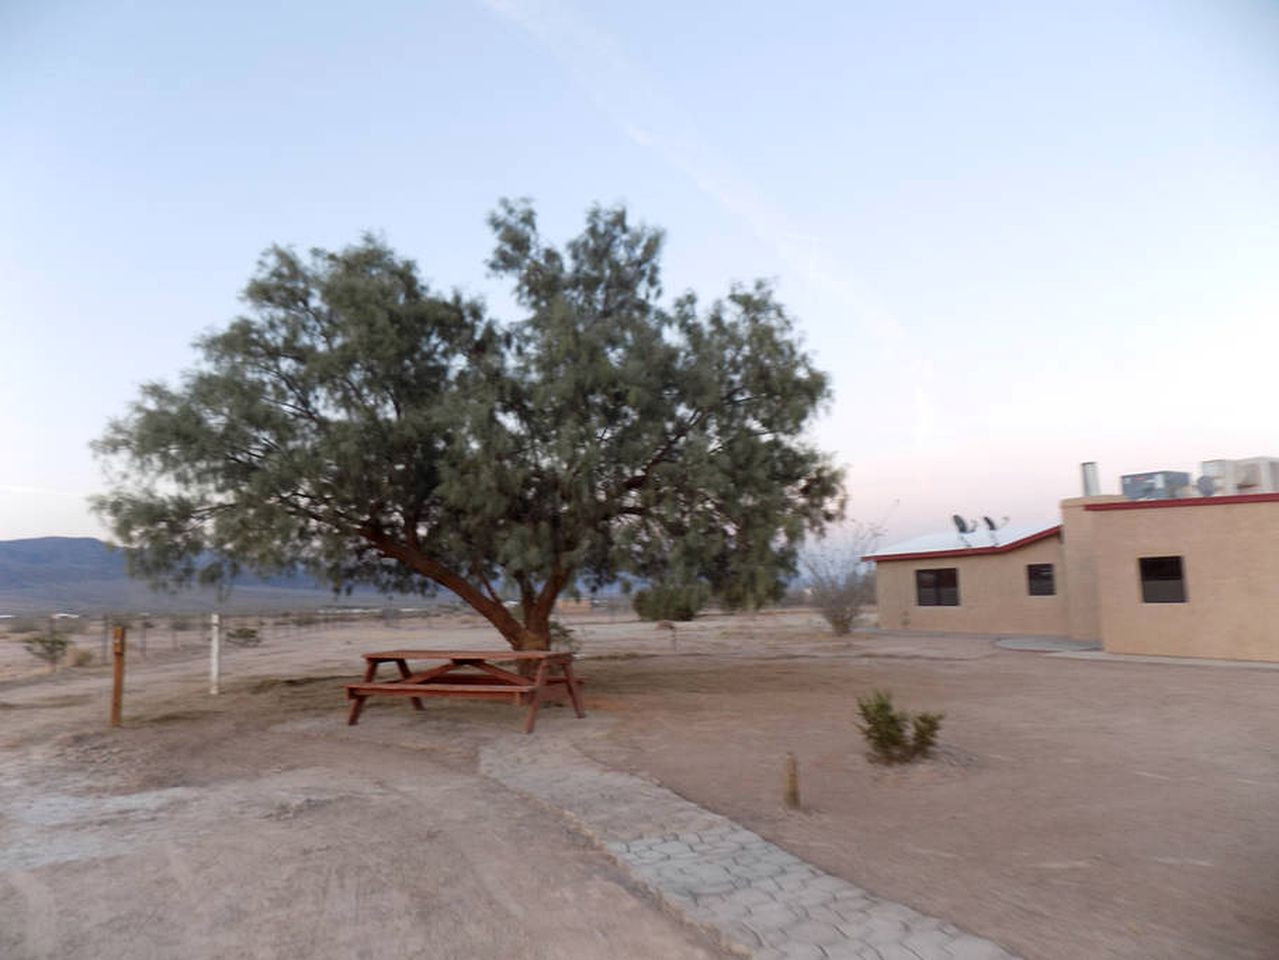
[(256, 824), (1076, 809)]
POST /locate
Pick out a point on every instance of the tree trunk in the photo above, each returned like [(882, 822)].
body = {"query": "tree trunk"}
[(537, 631), (533, 634)]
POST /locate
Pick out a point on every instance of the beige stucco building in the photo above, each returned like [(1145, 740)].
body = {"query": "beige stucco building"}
[(1191, 577)]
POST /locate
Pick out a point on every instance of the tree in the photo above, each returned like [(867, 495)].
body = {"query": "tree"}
[(358, 424)]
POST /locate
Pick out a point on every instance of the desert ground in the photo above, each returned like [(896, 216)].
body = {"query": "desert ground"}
[(1076, 807)]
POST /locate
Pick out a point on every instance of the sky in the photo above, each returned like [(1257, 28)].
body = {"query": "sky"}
[(1018, 235)]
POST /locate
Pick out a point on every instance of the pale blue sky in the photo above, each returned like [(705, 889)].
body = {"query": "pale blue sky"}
[(1019, 235)]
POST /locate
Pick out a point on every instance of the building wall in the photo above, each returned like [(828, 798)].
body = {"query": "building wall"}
[(1079, 576), (992, 594), (1230, 560)]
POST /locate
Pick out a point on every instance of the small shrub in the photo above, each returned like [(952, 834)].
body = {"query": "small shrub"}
[(49, 647), (840, 598), (895, 736), (840, 584), (564, 637), (80, 657), (670, 601), (179, 624), (923, 732), (243, 636)]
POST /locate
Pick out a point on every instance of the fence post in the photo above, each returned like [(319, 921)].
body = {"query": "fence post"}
[(117, 675), (790, 788), (215, 653)]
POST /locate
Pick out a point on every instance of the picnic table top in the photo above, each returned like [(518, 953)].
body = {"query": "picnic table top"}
[(466, 654)]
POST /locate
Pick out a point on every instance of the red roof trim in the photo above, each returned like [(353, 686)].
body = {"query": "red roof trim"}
[(969, 551), (1187, 502)]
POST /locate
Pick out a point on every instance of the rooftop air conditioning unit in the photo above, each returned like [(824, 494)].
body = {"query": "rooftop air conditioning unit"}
[(1254, 475), (1156, 485)]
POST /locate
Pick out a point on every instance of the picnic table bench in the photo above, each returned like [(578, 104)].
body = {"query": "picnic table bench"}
[(469, 673)]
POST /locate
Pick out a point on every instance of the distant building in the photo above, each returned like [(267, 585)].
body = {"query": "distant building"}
[(1173, 575)]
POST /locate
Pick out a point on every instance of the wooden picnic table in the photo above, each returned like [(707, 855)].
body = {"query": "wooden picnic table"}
[(469, 673)]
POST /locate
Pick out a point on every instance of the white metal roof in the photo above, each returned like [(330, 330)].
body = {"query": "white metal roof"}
[(951, 541)]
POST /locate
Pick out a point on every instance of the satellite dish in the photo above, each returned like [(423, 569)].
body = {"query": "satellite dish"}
[(990, 524), (1207, 485), (960, 523)]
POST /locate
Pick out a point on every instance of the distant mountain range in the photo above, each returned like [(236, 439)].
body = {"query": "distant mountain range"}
[(84, 575)]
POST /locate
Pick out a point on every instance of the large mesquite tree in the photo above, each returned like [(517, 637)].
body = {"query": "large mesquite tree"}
[(364, 427)]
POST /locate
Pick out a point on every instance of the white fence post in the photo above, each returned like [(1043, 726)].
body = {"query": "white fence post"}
[(215, 653)]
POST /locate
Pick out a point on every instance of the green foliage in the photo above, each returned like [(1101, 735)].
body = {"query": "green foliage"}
[(670, 601), (49, 646), (923, 732), (895, 736), (359, 424)]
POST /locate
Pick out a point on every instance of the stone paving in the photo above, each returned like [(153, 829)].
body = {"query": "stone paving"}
[(756, 898)]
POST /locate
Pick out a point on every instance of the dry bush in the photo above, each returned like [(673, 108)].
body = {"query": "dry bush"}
[(564, 637), (243, 637), (840, 584), (79, 656)]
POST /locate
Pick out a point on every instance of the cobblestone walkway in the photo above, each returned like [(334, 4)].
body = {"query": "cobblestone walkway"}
[(755, 897)]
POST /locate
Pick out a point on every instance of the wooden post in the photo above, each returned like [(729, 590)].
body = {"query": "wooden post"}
[(790, 792), (215, 654), (117, 675)]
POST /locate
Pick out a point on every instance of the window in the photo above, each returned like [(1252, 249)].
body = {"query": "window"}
[(1039, 580), (1162, 580), (937, 588)]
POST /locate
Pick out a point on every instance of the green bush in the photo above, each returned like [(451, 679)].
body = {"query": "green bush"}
[(895, 736), (49, 647), (670, 601)]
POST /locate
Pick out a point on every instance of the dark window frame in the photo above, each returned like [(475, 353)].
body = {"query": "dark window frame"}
[(937, 587), (1043, 586), (1162, 579)]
